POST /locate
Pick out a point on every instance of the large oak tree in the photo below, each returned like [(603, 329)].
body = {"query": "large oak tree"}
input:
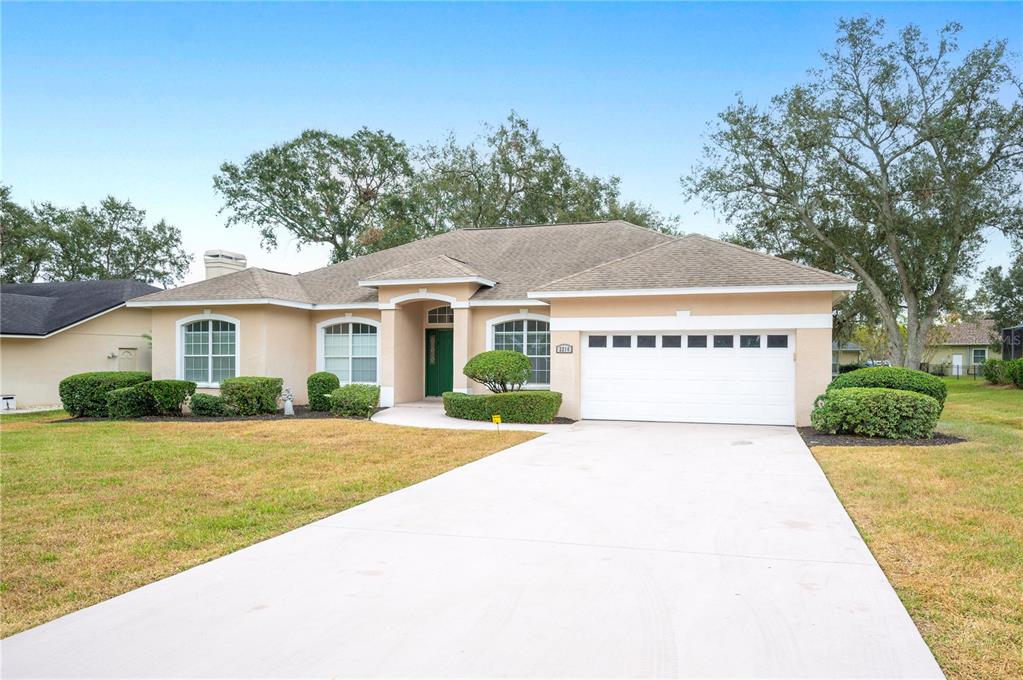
[(891, 162), (321, 188), (111, 241)]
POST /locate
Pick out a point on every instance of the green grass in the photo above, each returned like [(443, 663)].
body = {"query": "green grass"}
[(94, 509), (946, 525)]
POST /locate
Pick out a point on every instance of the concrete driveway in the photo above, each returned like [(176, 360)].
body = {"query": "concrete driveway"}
[(600, 550)]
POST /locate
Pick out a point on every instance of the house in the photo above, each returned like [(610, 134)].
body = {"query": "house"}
[(49, 331), (625, 322), (958, 349), (844, 354)]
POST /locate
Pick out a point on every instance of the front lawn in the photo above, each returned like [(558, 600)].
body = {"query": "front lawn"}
[(94, 509), (946, 525)]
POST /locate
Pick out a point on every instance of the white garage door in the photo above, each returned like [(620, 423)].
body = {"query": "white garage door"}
[(705, 377)]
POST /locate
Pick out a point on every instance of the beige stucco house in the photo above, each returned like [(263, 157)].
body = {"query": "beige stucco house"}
[(49, 331), (961, 348), (626, 322)]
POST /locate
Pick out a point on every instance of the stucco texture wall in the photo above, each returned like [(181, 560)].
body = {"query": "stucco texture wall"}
[(31, 369), (272, 341)]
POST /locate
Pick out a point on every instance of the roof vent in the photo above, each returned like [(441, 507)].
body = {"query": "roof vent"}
[(220, 262)]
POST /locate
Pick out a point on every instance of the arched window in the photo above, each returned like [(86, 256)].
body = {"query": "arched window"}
[(350, 352), (209, 351), (442, 314), (532, 337)]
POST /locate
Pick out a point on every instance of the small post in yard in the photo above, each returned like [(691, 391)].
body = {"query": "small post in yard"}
[(289, 406), (496, 419)]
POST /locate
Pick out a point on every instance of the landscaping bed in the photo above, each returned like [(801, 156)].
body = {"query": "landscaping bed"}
[(814, 438), (301, 413)]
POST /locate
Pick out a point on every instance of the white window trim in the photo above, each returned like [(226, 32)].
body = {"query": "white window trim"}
[(320, 359), (516, 317), (179, 343)]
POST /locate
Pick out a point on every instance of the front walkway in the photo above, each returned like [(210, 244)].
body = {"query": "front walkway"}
[(601, 549), (430, 413)]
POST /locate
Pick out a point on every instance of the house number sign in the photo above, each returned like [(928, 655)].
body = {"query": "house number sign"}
[(563, 349)]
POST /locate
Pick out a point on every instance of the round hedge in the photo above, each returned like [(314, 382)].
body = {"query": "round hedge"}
[(85, 394), (355, 400), (500, 370), (207, 405), (894, 378), (876, 412), (319, 386)]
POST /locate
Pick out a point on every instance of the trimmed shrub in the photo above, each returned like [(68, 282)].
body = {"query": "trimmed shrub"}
[(894, 378), (251, 395), (84, 394), (849, 368), (129, 402), (320, 385), (523, 406), (876, 412), (355, 401), (207, 405), (500, 370), (1014, 371), (996, 372), (167, 396)]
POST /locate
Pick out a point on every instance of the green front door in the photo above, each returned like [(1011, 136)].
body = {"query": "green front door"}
[(440, 346)]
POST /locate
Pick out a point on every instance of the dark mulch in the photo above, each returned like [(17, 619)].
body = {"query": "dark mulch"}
[(814, 438), (562, 421), (301, 413)]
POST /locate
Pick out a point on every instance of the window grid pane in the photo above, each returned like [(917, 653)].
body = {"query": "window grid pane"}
[(777, 341), (532, 338), (350, 352), (749, 341), (209, 351), (440, 315)]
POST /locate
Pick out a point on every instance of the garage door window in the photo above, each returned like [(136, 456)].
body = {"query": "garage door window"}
[(696, 341), (749, 341), (621, 341), (598, 341), (646, 341), (777, 341), (724, 341), (671, 341)]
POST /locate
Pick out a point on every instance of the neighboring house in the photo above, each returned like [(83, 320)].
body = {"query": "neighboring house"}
[(844, 354), (49, 331), (961, 347), (626, 322)]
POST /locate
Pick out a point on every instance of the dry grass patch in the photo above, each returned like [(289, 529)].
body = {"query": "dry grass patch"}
[(946, 525), (94, 509)]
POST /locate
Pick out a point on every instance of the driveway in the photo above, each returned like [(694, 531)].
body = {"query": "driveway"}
[(600, 550)]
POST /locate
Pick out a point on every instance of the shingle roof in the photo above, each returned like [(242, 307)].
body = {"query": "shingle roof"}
[(970, 333), (520, 260), (693, 261), (42, 308), (439, 267)]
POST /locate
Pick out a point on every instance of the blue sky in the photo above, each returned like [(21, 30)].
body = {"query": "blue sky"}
[(144, 101)]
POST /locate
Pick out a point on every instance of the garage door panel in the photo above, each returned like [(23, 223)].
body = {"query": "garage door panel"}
[(720, 385)]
